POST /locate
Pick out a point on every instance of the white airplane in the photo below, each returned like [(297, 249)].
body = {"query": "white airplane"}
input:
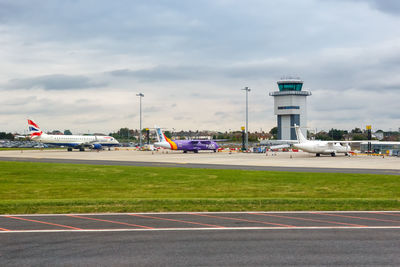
[(320, 147), (70, 141)]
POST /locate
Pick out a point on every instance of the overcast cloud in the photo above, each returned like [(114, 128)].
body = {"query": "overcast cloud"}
[(79, 64)]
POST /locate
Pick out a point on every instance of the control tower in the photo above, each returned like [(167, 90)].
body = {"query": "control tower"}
[(290, 105)]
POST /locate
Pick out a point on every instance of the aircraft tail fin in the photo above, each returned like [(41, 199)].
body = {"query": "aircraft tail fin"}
[(34, 129), (299, 134), (160, 135)]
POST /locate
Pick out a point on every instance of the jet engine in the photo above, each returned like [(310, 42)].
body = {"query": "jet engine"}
[(97, 146)]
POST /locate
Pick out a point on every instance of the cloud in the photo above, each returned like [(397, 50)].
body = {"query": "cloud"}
[(387, 6), (54, 82), (86, 60)]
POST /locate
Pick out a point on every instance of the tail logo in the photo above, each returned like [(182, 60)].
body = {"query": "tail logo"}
[(162, 138), (34, 129)]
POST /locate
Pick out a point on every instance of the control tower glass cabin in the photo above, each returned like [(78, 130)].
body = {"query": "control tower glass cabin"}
[(290, 106)]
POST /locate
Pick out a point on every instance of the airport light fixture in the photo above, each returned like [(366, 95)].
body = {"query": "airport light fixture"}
[(140, 95), (247, 89)]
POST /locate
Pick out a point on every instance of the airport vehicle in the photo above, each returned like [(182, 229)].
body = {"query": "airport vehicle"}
[(70, 141), (320, 147), (185, 145)]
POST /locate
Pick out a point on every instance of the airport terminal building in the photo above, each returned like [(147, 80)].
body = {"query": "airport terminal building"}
[(290, 106)]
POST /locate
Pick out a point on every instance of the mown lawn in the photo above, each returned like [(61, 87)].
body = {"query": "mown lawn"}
[(67, 188)]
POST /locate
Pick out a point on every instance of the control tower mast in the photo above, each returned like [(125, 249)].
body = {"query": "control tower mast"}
[(290, 106)]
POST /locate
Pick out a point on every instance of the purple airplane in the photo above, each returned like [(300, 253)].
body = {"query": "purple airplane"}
[(185, 145)]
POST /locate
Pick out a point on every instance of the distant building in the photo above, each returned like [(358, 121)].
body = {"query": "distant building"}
[(290, 106)]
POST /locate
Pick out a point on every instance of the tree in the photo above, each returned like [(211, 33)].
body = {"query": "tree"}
[(274, 132), (123, 132), (168, 134), (336, 134), (67, 132), (359, 136), (356, 131), (323, 136), (6, 136)]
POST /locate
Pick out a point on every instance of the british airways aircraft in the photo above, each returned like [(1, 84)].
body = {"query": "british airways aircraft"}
[(185, 145), (70, 141)]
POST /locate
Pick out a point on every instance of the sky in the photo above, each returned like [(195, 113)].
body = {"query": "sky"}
[(78, 65)]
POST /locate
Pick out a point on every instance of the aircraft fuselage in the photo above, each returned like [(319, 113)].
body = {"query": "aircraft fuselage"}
[(322, 147)]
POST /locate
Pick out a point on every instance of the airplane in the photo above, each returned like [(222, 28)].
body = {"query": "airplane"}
[(185, 145), (320, 147), (70, 141)]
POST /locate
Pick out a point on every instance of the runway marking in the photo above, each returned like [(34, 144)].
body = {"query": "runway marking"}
[(115, 222), (243, 220), (55, 224), (306, 219), (356, 217), (203, 229), (174, 220)]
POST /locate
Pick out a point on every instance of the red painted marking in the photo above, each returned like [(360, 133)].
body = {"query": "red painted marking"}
[(30, 220), (356, 217), (116, 222), (4, 229), (173, 220), (243, 220), (305, 219)]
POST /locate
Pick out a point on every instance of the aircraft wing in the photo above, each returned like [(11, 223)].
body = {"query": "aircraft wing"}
[(348, 142), (279, 146), (278, 142)]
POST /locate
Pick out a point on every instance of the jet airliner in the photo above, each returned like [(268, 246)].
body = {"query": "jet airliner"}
[(70, 141), (185, 145)]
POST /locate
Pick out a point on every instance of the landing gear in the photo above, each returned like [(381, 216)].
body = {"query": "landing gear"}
[(215, 150), (69, 149), (184, 151), (333, 154), (195, 151), (81, 149), (318, 154)]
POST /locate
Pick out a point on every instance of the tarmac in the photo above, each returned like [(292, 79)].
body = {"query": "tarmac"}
[(202, 239), (273, 159)]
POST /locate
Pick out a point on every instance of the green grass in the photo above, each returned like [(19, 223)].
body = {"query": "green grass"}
[(66, 188)]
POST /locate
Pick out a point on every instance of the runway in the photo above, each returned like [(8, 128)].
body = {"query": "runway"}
[(193, 239), (205, 165)]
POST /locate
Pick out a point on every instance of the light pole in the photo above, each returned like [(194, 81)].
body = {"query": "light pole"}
[(247, 89), (140, 95)]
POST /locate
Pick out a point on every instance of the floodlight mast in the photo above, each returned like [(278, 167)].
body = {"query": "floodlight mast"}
[(140, 95), (247, 89)]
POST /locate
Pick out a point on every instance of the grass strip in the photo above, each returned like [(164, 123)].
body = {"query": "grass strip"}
[(74, 188)]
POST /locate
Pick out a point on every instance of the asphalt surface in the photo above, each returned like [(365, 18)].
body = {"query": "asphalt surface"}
[(202, 239), (224, 248), (205, 166)]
